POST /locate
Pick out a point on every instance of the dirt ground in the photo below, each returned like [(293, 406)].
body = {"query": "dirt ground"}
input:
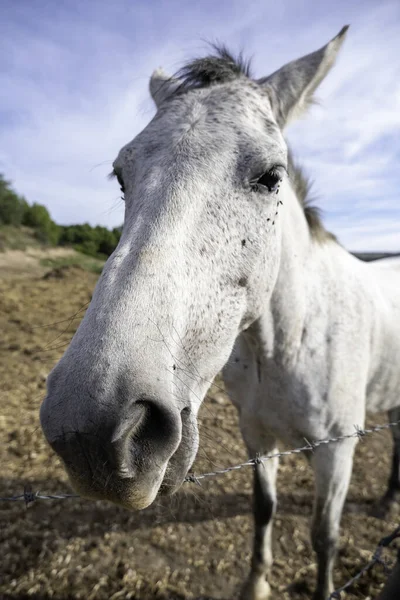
[(195, 545)]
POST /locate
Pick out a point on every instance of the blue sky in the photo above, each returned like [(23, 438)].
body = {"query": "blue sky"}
[(74, 89)]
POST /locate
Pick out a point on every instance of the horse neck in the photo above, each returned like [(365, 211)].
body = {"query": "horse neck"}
[(282, 324)]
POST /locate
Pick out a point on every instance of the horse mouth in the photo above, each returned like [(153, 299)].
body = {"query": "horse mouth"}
[(136, 486), (128, 491), (121, 495)]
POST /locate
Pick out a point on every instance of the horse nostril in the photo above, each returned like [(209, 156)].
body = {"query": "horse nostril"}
[(151, 431), (160, 422)]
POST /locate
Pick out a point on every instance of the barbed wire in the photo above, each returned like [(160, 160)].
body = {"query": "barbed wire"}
[(376, 559), (309, 447), (28, 496)]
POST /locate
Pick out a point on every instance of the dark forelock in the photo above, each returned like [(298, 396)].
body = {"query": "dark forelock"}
[(218, 68)]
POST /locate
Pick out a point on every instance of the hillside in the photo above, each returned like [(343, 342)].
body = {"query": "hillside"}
[(17, 238), (21, 253)]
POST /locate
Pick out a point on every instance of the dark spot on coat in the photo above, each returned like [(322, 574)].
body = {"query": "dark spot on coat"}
[(243, 243)]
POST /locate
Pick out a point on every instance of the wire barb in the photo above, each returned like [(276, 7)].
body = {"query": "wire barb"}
[(310, 445), (192, 479), (360, 433), (29, 496)]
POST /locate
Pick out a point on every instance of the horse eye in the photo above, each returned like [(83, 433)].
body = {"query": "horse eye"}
[(270, 180), (121, 183)]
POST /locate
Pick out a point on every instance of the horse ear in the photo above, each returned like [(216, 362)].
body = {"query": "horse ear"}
[(291, 88), (162, 86)]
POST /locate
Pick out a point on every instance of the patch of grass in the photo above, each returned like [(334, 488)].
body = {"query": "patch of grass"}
[(17, 238), (75, 260)]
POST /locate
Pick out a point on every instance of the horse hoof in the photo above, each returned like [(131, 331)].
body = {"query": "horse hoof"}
[(256, 588)]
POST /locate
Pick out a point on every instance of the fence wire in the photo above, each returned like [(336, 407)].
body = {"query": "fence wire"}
[(28, 496), (376, 559)]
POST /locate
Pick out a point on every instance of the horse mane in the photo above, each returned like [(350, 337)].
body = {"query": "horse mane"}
[(302, 185), (223, 67)]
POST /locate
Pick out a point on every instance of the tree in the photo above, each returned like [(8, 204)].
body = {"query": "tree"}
[(95, 241), (12, 206), (107, 240), (38, 217)]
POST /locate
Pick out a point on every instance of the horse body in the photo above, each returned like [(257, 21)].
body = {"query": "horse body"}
[(221, 262), (324, 351), (304, 352), (384, 381), (328, 347)]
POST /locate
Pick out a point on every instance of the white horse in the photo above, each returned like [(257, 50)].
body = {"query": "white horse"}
[(222, 264)]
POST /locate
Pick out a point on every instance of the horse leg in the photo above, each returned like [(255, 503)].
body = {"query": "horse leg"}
[(392, 494), (333, 465), (264, 506)]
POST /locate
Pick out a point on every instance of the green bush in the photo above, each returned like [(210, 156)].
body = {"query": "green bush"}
[(88, 247), (93, 241), (38, 217)]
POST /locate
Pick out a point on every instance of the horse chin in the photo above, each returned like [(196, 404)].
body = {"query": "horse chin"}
[(134, 493), (125, 493)]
